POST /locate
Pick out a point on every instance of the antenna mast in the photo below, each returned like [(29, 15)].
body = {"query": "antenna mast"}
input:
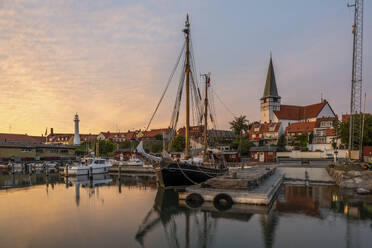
[(355, 137)]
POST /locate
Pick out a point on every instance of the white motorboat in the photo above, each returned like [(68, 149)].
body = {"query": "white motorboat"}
[(89, 165), (133, 162)]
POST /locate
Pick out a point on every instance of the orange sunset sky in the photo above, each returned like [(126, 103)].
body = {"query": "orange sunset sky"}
[(110, 60)]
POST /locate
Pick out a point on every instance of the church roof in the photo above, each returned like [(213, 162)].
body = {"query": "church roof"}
[(291, 112), (270, 86)]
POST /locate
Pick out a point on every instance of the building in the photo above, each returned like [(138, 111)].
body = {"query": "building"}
[(265, 133), (324, 134), (155, 134), (214, 135), (4, 137), (263, 153), (299, 128), (28, 150), (273, 111), (118, 137), (68, 138)]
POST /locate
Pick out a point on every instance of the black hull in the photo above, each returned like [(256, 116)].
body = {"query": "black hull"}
[(176, 175)]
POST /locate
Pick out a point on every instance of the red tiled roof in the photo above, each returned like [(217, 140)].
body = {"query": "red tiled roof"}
[(153, 132), (20, 137), (291, 112), (301, 127)]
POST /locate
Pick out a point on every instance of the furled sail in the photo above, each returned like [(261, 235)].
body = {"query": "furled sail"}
[(143, 152)]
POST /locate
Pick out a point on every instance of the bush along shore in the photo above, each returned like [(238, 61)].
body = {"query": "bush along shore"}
[(352, 178)]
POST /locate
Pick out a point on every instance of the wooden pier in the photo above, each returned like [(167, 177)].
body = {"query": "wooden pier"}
[(256, 185)]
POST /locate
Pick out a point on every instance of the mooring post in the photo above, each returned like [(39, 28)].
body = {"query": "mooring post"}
[(29, 169), (306, 179), (119, 172), (91, 172), (66, 170), (46, 170), (12, 168)]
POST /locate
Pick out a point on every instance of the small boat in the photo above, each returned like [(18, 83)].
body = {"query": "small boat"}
[(89, 165), (133, 162)]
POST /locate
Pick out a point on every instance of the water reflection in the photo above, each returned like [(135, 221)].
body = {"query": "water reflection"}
[(132, 212), (314, 202)]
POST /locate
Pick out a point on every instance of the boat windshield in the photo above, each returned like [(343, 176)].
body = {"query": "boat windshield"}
[(99, 161)]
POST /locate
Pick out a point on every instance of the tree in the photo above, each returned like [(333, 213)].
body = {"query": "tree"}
[(282, 142), (177, 144), (106, 147), (301, 141), (157, 147), (243, 144), (343, 130), (239, 124), (125, 144), (158, 137)]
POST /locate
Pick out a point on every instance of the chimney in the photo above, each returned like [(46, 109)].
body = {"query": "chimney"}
[(51, 131)]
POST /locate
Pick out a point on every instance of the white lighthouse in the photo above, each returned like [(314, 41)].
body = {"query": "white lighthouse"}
[(77, 135)]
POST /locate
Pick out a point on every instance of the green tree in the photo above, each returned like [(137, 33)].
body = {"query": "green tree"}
[(177, 144), (282, 142), (125, 144), (239, 125), (301, 141), (242, 144), (84, 148), (343, 130), (156, 147), (106, 147)]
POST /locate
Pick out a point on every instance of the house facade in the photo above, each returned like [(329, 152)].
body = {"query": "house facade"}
[(265, 133)]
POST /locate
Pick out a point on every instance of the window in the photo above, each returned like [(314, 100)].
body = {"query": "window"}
[(326, 124), (39, 150), (63, 151), (53, 151), (26, 150)]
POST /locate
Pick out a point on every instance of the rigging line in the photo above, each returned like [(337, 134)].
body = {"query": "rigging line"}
[(168, 83), (227, 108), (174, 117)]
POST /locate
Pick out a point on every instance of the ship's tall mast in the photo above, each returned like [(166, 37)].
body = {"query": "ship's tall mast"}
[(207, 82), (186, 30)]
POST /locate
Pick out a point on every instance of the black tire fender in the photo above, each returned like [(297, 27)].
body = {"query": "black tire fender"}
[(222, 202), (194, 200)]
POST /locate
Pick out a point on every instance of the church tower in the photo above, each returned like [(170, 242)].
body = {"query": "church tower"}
[(270, 101), (77, 135)]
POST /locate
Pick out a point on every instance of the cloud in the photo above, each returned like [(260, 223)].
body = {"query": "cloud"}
[(58, 58)]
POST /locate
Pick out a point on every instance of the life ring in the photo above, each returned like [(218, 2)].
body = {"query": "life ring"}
[(194, 200), (222, 202)]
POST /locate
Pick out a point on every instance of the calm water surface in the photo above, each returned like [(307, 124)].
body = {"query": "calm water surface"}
[(47, 212)]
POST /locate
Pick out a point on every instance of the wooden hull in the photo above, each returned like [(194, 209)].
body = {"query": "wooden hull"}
[(180, 175)]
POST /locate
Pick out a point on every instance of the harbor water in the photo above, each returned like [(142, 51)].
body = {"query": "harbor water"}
[(40, 211)]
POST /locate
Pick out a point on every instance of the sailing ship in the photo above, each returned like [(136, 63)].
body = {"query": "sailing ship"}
[(190, 170)]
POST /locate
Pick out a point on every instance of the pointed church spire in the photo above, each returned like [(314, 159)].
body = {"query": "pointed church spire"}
[(270, 86)]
